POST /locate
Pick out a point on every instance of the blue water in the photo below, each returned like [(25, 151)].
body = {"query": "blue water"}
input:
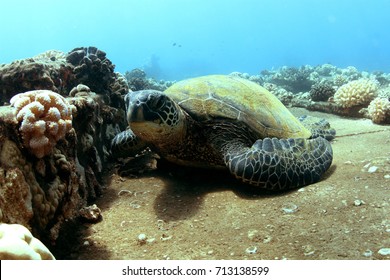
[(173, 39)]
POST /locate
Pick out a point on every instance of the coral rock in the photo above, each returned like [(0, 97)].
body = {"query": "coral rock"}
[(48, 70), (92, 68), (293, 79), (137, 80), (45, 118), (79, 88), (17, 243), (15, 197), (45, 194)]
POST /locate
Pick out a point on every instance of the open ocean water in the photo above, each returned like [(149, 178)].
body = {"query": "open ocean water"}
[(175, 39)]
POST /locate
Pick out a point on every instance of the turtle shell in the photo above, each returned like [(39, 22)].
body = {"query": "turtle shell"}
[(230, 98)]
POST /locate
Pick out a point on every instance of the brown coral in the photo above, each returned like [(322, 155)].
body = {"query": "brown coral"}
[(321, 91), (45, 118), (92, 68), (48, 70), (15, 195)]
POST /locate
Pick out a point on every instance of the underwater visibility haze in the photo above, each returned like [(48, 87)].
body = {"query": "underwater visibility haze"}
[(175, 39)]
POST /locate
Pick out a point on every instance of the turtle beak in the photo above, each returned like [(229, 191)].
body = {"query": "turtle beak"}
[(135, 114)]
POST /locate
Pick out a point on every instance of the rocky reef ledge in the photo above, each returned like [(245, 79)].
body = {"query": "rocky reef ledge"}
[(55, 134)]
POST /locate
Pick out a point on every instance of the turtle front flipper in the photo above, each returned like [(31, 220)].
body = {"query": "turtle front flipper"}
[(279, 164), (126, 144)]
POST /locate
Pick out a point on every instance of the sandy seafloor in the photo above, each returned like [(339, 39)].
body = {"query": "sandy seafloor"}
[(195, 214)]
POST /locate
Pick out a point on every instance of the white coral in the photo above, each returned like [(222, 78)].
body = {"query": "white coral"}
[(358, 92), (45, 118), (51, 55), (379, 109), (17, 243)]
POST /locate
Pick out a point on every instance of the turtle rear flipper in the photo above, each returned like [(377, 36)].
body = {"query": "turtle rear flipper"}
[(319, 127), (279, 164)]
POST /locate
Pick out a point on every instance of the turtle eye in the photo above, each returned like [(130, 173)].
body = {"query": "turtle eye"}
[(159, 102), (156, 102)]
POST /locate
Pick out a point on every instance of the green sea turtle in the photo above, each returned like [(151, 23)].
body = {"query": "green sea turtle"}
[(225, 121)]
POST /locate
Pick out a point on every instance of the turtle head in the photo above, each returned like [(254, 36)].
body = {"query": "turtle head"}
[(154, 117)]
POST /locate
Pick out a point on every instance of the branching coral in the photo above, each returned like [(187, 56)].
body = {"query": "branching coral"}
[(354, 93), (45, 118), (379, 110)]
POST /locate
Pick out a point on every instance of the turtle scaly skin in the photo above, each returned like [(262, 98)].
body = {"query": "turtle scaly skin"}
[(222, 121)]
